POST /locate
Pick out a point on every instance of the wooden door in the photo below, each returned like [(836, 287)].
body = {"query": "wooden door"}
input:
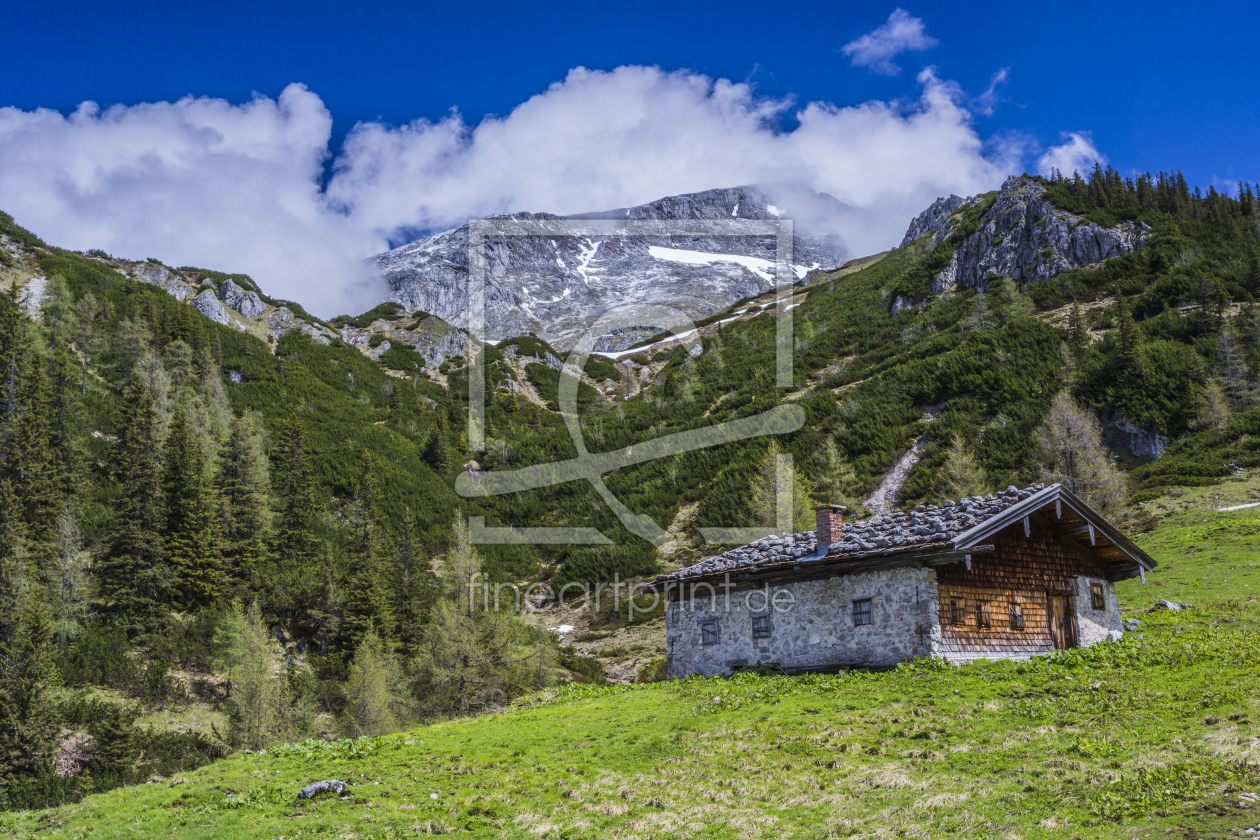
[(1061, 623)]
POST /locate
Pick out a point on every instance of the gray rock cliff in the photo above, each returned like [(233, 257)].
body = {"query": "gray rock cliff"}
[(209, 305), (1022, 236), (160, 275), (246, 303)]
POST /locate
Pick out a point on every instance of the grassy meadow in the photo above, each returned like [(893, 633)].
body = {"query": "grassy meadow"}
[(1154, 736)]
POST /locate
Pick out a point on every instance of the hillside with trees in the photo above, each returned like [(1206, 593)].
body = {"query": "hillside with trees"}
[(263, 522)]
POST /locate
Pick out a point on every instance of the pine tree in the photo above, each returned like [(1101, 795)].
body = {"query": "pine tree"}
[(243, 482), (1212, 407), (133, 573), (84, 335), (192, 534), (412, 589), (1253, 267), (16, 572), (369, 603), (981, 316), (25, 457), (68, 588), (64, 423)]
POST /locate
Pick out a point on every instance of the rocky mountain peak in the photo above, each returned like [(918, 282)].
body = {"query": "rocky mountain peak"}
[(557, 286)]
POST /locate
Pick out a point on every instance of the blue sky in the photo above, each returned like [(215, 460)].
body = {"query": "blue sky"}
[(1158, 84), (1149, 87)]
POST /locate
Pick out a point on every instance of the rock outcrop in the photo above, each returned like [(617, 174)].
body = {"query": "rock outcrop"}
[(1022, 236), (248, 304), (160, 275), (557, 286), (208, 304), (1144, 443), (32, 295), (934, 218), (283, 320)]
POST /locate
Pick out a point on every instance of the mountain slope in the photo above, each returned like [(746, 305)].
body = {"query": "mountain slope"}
[(557, 285)]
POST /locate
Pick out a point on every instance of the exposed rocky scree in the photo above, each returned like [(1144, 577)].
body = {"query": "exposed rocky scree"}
[(925, 525), (1022, 236), (558, 286)]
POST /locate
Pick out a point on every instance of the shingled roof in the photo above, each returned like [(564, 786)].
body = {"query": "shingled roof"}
[(952, 526)]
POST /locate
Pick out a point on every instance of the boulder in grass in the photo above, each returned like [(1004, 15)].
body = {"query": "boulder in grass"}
[(329, 786), (1162, 605)]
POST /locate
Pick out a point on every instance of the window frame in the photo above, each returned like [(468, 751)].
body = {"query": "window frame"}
[(1097, 596), (710, 632), (761, 626), (863, 608), (1017, 617), (984, 618), (957, 612)]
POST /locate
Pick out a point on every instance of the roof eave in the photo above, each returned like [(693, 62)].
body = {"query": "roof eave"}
[(1040, 499)]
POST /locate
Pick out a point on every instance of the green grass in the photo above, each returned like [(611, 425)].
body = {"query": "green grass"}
[(1146, 737), (1205, 555)]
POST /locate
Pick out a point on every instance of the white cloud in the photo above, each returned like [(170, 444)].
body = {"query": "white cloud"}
[(601, 140), (236, 187), (194, 182), (900, 33), (986, 102), (1077, 154)]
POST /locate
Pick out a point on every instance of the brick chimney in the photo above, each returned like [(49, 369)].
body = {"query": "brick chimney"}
[(830, 522)]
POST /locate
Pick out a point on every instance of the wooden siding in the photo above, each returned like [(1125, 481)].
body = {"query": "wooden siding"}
[(1020, 570)]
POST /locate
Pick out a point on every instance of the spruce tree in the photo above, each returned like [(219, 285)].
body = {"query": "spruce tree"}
[(25, 462), (243, 482), (1078, 335), (1253, 267), (192, 534), (437, 448), (1130, 347), (28, 722), (369, 600), (133, 573), (64, 423), (292, 578)]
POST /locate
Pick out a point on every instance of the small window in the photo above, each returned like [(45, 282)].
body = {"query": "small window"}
[(957, 613), (983, 616), (761, 626), (862, 612), (1017, 617), (709, 633), (1099, 598)]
